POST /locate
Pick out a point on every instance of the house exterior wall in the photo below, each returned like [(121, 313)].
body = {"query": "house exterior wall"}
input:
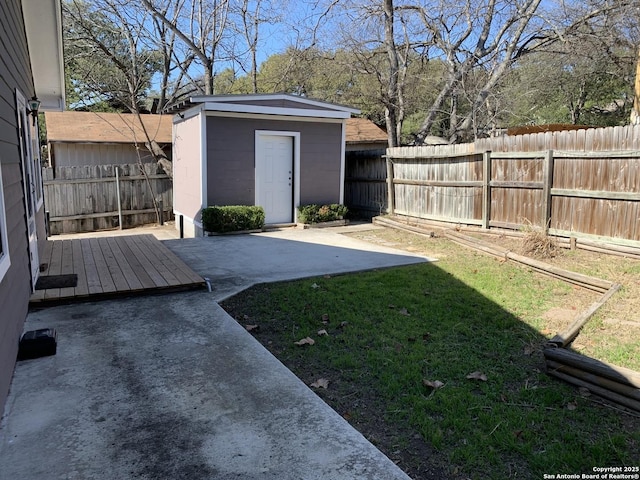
[(15, 285), (187, 173), (81, 154), (231, 159)]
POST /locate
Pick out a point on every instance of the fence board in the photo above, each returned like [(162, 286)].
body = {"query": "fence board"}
[(82, 199), (591, 187)]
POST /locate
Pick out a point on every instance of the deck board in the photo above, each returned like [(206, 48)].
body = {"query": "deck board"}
[(82, 288), (111, 266), (67, 266), (132, 279), (155, 257), (151, 269), (55, 268)]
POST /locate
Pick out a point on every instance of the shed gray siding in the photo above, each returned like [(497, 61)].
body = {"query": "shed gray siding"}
[(231, 156)]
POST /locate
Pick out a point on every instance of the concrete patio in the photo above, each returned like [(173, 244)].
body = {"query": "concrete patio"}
[(169, 386)]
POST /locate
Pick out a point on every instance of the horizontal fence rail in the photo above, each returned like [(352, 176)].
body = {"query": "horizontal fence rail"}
[(99, 197)]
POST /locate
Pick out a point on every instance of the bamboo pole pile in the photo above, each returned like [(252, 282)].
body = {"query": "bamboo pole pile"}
[(618, 384)]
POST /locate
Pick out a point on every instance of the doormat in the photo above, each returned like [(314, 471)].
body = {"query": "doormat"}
[(57, 281)]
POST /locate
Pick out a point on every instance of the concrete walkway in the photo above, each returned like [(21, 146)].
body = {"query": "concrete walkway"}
[(171, 387)]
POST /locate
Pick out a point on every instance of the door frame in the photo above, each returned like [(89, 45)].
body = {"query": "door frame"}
[(30, 182), (296, 165)]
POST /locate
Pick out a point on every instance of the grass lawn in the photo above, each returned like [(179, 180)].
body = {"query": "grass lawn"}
[(401, 344)]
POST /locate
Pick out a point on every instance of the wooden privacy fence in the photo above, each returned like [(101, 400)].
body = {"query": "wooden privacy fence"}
[(98, 197), (582, 186), (365, 190), (565, 193)]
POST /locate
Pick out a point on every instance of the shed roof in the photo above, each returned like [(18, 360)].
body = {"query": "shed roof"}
[(362, 130), (275, 104), (98, 127)]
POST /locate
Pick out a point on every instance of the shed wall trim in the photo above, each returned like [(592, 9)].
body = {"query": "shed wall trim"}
[(261, 109), (284, 118)]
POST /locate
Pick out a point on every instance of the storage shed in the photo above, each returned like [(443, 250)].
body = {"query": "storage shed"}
[(277, 151)]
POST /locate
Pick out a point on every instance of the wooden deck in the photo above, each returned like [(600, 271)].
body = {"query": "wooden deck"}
[(112, 266)]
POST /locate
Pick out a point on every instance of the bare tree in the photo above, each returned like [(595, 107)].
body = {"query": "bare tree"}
[(201, 26)]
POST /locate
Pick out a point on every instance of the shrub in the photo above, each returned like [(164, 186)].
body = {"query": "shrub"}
[(321, 213), (233, 218)]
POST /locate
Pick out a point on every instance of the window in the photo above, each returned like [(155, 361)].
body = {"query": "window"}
[(5, 261)]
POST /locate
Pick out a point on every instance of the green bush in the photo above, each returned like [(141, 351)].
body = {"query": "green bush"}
[(233, 218), (321, 213)]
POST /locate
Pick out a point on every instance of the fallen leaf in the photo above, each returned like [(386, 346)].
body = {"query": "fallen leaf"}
[(572, 406), (325, 318), (528, 350), (403, 311), (245, 317), (251, 328), (435, 384), (477, 376), (315, 285), (584, 392), (392, 306), (343, 324), (426, 337), (305, 341), (322, 333), (320, 383)]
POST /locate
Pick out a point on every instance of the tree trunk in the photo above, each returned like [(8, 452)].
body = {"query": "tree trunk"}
[(635, 111), (392, 88)]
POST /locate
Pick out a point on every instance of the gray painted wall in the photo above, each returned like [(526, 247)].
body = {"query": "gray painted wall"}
[(15, 287), (231, 153)]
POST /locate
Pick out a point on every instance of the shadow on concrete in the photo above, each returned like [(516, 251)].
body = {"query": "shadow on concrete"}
[(235, 262)]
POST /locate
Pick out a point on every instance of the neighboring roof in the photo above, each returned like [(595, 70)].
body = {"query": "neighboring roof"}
[(93, 127), (361, 130), (43, 27), (281, 104), (552, 127)]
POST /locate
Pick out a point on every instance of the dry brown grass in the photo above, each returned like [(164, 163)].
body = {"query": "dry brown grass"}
[(537, 244)]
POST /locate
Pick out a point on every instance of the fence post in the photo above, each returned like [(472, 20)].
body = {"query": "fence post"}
[(486, 189), (391, 195), (547, 185), (119, 200)]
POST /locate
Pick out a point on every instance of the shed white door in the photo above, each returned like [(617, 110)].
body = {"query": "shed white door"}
[(274, 177)]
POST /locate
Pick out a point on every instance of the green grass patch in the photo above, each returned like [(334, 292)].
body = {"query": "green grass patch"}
[(390, 330)]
